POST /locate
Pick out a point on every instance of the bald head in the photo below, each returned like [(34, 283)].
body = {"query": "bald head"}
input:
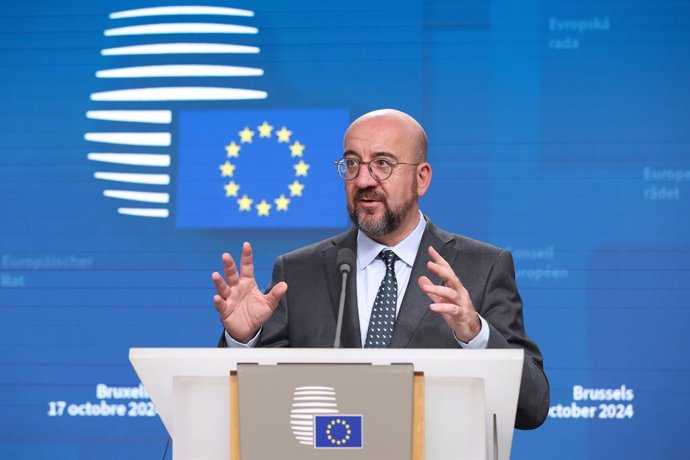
[(383, 198), (402, 123)]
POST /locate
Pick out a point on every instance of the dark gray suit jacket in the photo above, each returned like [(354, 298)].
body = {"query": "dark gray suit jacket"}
[(306, 316)]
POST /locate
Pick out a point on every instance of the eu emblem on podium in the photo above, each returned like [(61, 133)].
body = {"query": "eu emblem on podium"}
[(337, 431)]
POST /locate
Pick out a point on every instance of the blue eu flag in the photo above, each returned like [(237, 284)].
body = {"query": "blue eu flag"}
[(260, 168), (338, 431)]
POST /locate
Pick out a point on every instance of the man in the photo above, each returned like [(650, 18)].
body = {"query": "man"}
[(447, 291)]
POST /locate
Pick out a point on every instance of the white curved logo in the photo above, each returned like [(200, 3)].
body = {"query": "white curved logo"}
[(134, 113), (307, 402)]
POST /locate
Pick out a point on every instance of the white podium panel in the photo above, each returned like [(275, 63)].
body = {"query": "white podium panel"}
[(464, 389)]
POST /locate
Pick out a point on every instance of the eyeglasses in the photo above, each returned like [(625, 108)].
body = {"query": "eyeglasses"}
[(379, 168)]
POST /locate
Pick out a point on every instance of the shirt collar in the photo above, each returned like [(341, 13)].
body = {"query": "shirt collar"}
[(406, 250)]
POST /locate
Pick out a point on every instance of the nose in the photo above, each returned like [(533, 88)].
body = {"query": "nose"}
[(364, 178)]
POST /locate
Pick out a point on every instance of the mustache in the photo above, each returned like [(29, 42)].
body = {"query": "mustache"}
[(368, 194)]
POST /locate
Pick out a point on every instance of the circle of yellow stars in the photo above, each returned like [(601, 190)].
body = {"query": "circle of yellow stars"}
[(232, 189), (343, 439)]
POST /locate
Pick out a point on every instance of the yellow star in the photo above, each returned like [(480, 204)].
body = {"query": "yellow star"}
[(284, 135), (245, 203), (231, 188), (233, 150), (265, 129), (296, 149), (246, 135), (282, 203), (227, 169), (296, 188), (301, 168), (263, 208)]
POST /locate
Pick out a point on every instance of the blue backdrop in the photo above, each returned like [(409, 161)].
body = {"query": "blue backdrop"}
[(138, 146)]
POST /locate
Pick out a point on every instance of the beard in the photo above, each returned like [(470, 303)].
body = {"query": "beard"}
[(374, 225)]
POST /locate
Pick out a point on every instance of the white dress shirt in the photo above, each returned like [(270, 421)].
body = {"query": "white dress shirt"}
[(370, 270)]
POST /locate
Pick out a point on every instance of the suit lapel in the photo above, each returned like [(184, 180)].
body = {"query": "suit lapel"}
[(351, 337), (415, 304)]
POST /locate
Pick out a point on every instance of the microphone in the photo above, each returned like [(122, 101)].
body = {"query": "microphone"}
[(344, 261)]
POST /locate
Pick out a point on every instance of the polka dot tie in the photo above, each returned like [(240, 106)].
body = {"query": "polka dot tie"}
[(383, 314)]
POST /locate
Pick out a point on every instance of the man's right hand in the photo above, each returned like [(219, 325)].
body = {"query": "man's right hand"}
[(242, 307)]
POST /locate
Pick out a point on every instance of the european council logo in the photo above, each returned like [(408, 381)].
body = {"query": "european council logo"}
[(166, 67), (338, 431), (315, 420)]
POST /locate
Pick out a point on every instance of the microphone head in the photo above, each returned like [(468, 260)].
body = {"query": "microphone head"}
[(345, 260)]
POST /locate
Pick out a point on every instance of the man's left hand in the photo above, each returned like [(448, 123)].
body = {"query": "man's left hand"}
[(451, 300)]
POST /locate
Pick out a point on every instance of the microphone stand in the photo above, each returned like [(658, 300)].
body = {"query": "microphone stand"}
[(344, 269)]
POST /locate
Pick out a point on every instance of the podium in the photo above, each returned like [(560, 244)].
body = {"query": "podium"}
[(470, 396)]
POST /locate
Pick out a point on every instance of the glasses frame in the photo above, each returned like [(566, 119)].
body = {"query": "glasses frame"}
[(394, 164)]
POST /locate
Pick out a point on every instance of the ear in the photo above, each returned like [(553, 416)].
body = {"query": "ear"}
[(423, 178)]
